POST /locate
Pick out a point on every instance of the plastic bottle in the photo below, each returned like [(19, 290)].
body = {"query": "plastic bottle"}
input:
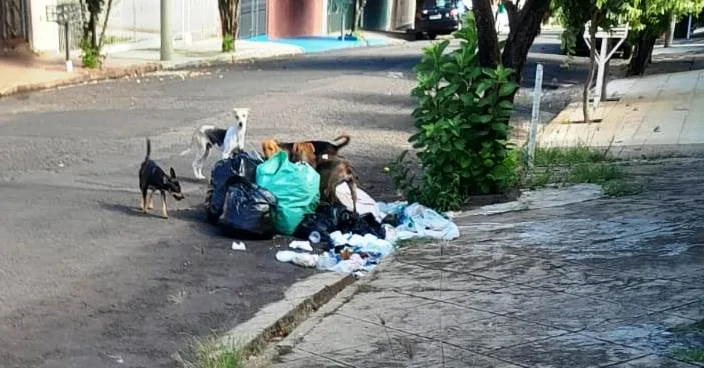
[(314, 237)]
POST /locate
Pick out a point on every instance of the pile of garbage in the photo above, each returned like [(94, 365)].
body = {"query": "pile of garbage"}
[(255, 199)]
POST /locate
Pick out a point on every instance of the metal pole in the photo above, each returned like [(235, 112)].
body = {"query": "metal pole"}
[(535, 116), (67, 46), (342, 26), (167, 47), (689, 28), (603, 54)]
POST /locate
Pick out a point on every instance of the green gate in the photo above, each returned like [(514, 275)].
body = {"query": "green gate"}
[(336, 8)]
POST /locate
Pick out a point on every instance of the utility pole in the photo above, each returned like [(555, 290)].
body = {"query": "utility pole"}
[(167, 46)]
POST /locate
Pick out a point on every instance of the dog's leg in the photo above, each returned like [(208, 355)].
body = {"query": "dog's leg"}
[(198, 162), (143, 201), (163, 205), (150, 203)]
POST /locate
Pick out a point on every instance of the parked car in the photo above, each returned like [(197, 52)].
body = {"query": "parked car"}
[(581, 49), (438, 17)]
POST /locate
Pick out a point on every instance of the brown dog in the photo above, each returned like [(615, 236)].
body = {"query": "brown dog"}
[(321, 149), (269, 148), (303, 152), (333, 172)]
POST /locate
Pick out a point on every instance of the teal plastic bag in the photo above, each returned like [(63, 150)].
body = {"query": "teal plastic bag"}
[(296, 187)]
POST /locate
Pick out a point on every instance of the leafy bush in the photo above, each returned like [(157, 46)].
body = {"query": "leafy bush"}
[(228, 43), (90, 57), (463, 126)]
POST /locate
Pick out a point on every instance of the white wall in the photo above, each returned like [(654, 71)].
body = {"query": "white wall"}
[(44, 35), (141, 18)]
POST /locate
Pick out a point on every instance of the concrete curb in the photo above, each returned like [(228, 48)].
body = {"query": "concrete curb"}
[(275, 321), (112, 73), (150, 67), (141, 69)]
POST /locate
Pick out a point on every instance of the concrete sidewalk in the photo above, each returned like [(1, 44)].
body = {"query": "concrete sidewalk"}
[(607, 282), (654, 113), (21, 71)]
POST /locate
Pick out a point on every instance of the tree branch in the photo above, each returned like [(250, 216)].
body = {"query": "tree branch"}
[(486, 30), (513, 13)]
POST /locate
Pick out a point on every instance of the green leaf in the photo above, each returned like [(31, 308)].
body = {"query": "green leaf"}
[(483, 119), (507, 89)]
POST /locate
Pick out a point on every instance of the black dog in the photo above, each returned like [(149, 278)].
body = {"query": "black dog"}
[(152, 177)]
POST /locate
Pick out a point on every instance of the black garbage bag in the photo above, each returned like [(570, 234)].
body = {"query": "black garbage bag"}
[(241, 165), (249, 210), (329, 218)]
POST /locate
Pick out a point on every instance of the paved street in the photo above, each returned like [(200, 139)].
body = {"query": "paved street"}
[(603, 283), (86, 280)]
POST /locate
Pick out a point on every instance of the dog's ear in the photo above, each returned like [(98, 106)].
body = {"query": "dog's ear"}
[(173, 173)]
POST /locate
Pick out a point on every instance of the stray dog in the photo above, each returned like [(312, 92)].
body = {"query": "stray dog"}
[(321, 149), (207, 136), (152, 177), (333, 172), (304, 152)]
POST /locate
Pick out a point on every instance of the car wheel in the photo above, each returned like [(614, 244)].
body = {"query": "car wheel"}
[(418, 36), (432, 36)]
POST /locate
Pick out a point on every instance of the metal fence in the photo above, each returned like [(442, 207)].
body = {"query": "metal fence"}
[(136, 20), (335, 10)]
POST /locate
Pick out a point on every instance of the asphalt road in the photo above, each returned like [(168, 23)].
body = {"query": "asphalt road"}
[(87, 281)]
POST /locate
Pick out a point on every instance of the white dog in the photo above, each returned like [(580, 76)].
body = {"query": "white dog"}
[(228, 140)]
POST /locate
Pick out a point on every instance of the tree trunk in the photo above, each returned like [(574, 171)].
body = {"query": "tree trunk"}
[(229, 22), (522, 34), (488, 42), (359, 8), (593, 26), (101, 40), (642, 54), (670, 34)]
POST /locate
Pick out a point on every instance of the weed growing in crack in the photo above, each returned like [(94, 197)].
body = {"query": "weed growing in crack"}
[(692, 327), (580, 164), (546, 156), (212, 353), (690, 355)]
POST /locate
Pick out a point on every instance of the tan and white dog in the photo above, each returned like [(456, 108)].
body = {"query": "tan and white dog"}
[(228, 140)]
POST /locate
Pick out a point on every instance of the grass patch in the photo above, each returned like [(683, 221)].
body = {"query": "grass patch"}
[(111, 40), (692, 327), (598, 173), (209, 353), (690, 355), (548, 156), (581, 164), (620, 188)]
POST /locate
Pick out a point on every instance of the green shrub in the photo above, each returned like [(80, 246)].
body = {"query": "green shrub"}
[(462, 122), (90, 57), (228, 43)]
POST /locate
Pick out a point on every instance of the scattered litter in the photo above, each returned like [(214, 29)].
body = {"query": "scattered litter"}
[(301, 244), (365, 203), (301, 259), (314, 237), (265, 199), (238, 246)]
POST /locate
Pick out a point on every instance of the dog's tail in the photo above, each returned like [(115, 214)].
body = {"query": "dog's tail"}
[(346, 140), (149, 149)]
